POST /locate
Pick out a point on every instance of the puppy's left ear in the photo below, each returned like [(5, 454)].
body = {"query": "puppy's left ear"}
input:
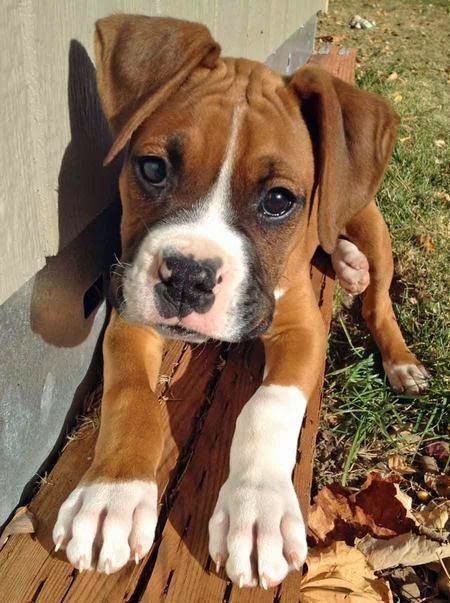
[(353, 133), (140, 62)]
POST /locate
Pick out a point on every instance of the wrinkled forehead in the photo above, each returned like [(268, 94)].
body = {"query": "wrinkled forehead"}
[(239, 99)]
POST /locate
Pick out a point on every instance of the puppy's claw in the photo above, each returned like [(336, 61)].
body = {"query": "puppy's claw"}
[(107, 567), (59, 543), (218, 563), (241, 580), (294, 561), (264, 582), (138, 554), (81, 564)]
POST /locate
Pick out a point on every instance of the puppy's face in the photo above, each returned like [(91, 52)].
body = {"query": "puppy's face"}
[(214, 189)]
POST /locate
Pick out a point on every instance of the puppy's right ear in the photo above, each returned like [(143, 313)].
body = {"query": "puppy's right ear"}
[(140, 62)]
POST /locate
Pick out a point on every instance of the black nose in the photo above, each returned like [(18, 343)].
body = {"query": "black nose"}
[(186, 285)]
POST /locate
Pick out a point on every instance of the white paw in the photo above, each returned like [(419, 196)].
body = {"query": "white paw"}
[(258, 528), (351, 267), (112, 521), (407, 378)]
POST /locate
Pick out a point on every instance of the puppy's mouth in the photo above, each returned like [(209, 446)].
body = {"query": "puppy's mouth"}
[(180, 332)]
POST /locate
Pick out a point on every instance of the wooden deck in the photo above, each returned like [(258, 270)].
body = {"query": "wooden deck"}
[(202, 391)]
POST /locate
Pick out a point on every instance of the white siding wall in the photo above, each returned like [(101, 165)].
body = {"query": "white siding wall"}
[(34, 108)]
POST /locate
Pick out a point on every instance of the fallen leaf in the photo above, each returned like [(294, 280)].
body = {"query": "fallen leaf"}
[(443, 581), (23, 522), (404, 139), (396, 462), (332, 39), (446, 197), (426, 243), (408, 441), (397, 98), (439, 483), (340, 573), (428, 464), (392, 77), (435, 515), (438, 449), (439, 143), (379, 508), (405, 549)]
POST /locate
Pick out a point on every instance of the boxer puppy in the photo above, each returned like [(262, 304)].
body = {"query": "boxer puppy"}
[(232, 177)]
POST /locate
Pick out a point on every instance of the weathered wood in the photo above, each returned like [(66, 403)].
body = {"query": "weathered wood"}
[(201, 393)]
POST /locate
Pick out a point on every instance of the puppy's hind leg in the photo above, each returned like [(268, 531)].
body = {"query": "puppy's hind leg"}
[(369, 232)]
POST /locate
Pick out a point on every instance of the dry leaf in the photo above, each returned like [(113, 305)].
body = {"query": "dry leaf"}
[(340, 573), (446, 197), (398, 98), (435, 515), (396, 462), (439, 143), (405, 549), (379, 508), (439, 483), (404, 139), (443, 581), (438, 449), (428, 464), (426, 243), (392, 77), (22, 523)]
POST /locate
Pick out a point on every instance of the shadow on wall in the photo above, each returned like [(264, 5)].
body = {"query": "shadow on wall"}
[(51, 324), (70, 287)]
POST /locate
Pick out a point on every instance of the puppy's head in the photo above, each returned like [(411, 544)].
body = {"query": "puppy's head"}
[(227, 169)]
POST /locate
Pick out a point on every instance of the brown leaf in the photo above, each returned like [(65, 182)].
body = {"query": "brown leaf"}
[(439, 483), (426, 243), (405, 549), (23, 522), (446, 197), (428, 464), (397, 463), (378, 509), (438, 449), (340, 573), (392, 77), (443, 581), (435, 515)]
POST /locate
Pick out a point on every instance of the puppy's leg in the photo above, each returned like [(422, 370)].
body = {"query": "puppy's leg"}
[(257, 526), (114, 508), (369, 232)]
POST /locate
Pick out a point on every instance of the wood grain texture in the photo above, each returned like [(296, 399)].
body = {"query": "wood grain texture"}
[(201, 393)]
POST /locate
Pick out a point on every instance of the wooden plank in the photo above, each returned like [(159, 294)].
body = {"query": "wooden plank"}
[(28, 569), (338, 61)]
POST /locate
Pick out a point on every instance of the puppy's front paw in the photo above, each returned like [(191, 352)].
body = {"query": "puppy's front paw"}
[(115, 519), (257, 526)]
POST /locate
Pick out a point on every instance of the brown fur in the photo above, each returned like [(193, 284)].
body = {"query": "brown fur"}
[(171, 71)]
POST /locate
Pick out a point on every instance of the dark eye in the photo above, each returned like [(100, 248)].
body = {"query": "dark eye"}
[(277, 202), (152, 169)]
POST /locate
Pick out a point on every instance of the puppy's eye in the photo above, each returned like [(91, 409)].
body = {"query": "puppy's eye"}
[(152, 169), (277, 202)]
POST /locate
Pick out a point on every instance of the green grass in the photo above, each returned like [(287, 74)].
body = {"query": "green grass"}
[(362, 414)]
